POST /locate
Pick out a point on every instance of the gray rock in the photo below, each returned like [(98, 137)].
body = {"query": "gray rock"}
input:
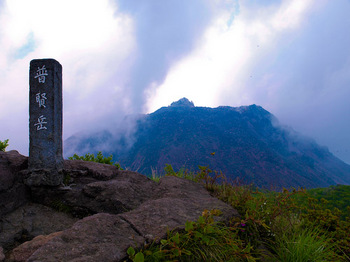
[(24, 251), (101, 237), (79, 168), (177, 201), (124, 193), (29, 221), (2, 255), (13, 192), (106, 237), (119, 209), (125, 190)]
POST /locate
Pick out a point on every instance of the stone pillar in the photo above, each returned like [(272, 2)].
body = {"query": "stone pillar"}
[(45, 123)]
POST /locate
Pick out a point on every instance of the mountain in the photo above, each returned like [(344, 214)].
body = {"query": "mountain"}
[(248, 143)]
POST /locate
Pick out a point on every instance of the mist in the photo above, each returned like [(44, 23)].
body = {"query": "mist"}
[(124, 58)]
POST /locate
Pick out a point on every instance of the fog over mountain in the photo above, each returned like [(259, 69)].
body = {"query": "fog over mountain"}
[(122, 57), (244, 142)]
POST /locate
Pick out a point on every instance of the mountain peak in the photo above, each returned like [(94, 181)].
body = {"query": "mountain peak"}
[(183, 102)]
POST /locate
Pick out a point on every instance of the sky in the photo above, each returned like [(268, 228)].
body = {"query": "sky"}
[(121, 57)]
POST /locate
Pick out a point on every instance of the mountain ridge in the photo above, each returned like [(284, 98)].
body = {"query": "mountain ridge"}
[(248, 141)]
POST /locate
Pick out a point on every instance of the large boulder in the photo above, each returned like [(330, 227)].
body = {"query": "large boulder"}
[(105, 210), (85, 195), (175, 201), (29, 221), (90, 169), (101, 237), (2, 255), (13, 192), (24, 251), (106, 237)]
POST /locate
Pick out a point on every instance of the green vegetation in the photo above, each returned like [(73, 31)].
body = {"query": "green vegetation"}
[(60, 206), (334, 196), (292, 225), (99, 159), (203, 240), (3, 145), (304, 245)]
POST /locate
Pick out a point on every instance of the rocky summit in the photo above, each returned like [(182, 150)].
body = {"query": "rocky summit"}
[(245, 143), (95, 215)]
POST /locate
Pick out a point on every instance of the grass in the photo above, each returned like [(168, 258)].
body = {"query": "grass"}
[(98, 159), (307, 244), (202, 240), (289, 225), (4, 144)]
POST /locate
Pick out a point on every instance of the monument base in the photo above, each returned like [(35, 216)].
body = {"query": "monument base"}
[(43, 177)]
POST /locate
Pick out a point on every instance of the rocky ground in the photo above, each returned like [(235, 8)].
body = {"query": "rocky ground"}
[(96, 215)]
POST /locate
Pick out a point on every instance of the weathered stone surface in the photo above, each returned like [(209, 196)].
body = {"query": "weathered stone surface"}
[(106, 237), (2, 255), (45, 123), (29, 221), (125, 190), (101, 237), (24, 251), (10, 163), (79, 168), (121, 209), (176, 201), (13, 192), (43, 177), (124, 193)]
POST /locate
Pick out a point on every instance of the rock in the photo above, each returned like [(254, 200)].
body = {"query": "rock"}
[(124, 193), (91, 169), (88, 196), (43, 177), (183, 102), (106, 237), (118, 209), (101, 237), (177, 201), (24, 251), (29, 221), (13, 192), (2, 255)]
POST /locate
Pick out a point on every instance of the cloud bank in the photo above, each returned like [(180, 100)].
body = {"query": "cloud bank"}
[(122, 57)]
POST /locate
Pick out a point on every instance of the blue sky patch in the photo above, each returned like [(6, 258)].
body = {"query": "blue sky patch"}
[(27, 48)]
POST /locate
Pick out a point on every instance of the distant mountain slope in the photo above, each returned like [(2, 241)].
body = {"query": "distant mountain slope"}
[(247, 141)]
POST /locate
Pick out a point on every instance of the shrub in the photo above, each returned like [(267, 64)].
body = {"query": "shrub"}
[(98, 159), (307, 244), (4, 144), (274, 226), (203, 240)]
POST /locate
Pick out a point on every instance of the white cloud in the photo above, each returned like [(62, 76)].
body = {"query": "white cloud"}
[(220, 67), (91, 39)]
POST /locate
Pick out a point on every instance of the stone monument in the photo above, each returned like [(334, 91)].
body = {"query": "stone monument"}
[(45, 123)]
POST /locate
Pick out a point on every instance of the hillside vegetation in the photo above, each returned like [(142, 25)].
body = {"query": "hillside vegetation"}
[(248, 143), (290, 225)]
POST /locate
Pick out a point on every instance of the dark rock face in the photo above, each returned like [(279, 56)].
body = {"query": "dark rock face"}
[(2, 255), (248, 142), (102, 237), (118, 209), (118, 192), (106, 237), (13, 192), (24, 251), (183, 102), (29, 221)]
